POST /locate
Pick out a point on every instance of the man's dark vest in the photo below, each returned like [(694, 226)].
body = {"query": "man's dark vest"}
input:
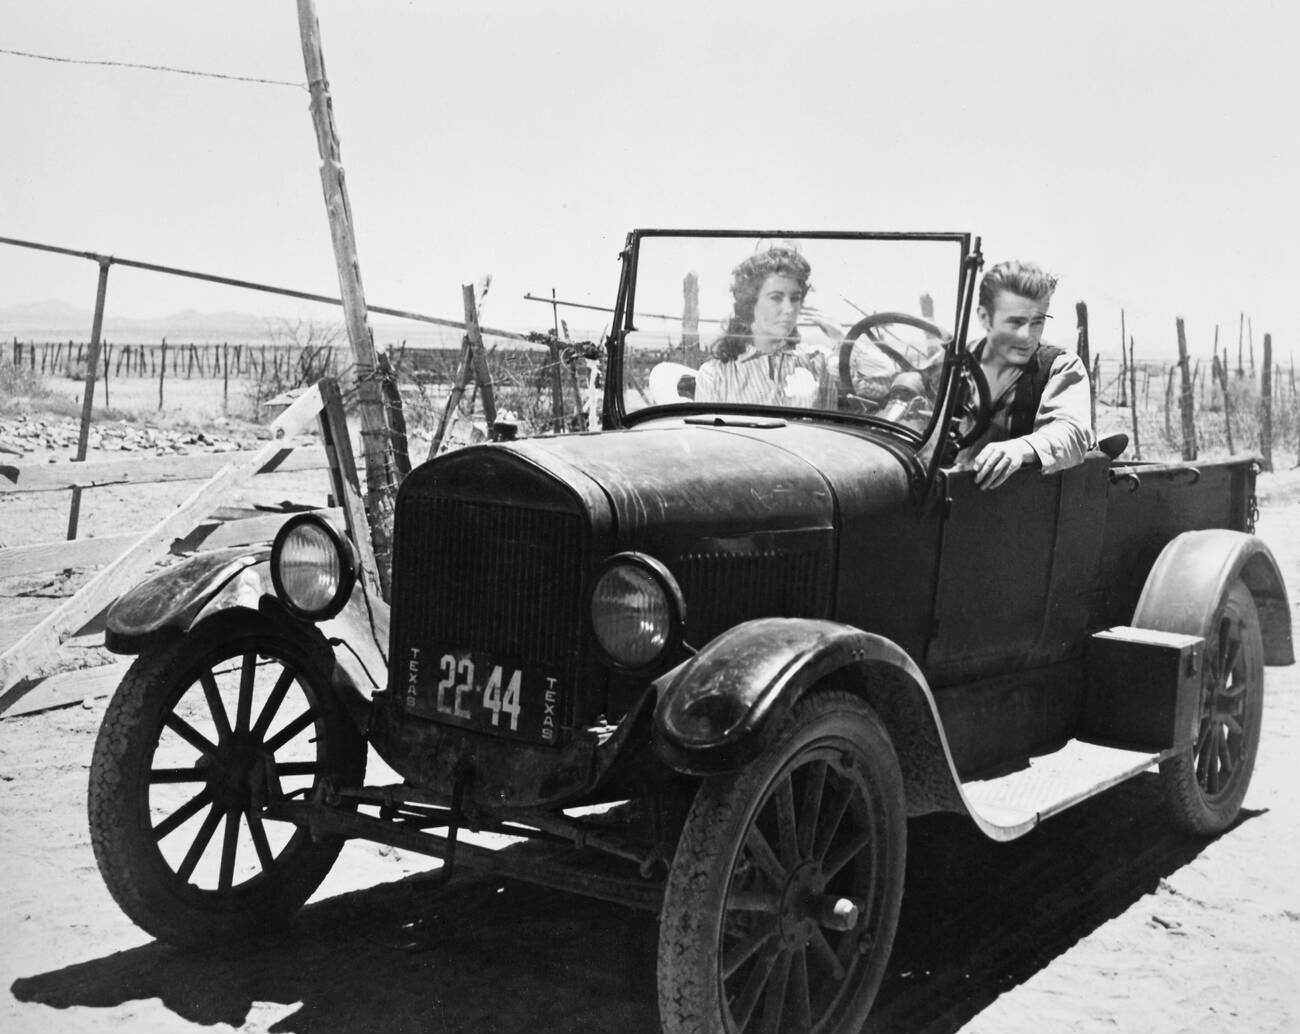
[(1027, 393)]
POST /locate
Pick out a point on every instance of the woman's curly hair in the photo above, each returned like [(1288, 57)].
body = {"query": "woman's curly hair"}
[(747, 280)]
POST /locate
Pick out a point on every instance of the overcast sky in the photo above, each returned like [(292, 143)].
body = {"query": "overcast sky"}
[(1148, 152)]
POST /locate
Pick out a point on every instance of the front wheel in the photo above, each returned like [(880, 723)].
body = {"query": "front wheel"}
[(783, 898), (1206, 783), (198, 738)]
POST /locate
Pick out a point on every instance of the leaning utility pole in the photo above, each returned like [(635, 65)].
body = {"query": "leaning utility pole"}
[(375, 438)]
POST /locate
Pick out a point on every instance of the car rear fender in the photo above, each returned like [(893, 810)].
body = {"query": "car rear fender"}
[(1192, 574), (721, 708), (209, 585)]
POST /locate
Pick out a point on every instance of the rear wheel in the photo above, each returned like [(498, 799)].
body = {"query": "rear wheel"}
[(1206, 783), (783, 898), (199, 736)]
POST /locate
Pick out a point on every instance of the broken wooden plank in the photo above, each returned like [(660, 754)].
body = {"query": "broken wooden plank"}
[(212, 534), (347, 489), (144, 470), (22, 658)]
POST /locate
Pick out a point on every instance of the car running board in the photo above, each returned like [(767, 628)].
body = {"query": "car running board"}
[(1010, 805)]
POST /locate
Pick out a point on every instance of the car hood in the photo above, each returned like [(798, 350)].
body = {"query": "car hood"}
[(673, 478)]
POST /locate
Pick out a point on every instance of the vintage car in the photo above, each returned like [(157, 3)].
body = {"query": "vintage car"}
[(711, 659)]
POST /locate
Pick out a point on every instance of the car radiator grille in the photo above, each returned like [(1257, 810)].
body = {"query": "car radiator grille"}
[(489, 576)]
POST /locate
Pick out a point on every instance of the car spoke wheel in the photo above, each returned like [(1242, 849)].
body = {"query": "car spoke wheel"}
[(783, 897), (199, 737), (1206, 783)]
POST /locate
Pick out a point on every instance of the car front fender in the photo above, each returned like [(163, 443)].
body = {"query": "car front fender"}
[(166, 605), (175, 600), (721, 708), (1194, 571)]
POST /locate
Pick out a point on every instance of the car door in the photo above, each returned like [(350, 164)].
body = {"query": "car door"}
[(1016, 570)]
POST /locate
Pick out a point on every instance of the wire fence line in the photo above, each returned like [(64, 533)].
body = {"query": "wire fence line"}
[(140, 66)]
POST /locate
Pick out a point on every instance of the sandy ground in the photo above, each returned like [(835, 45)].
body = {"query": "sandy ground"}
[(1104, 919)]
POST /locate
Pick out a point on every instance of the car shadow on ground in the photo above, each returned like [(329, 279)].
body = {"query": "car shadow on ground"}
[(978, 918)]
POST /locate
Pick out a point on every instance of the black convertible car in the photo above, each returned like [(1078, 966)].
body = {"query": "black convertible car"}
[(726, 646)]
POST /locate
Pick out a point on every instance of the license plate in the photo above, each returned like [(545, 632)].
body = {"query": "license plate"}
[(485, 692)]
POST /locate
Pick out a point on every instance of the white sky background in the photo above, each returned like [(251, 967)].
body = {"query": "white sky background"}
[(1148, 152)]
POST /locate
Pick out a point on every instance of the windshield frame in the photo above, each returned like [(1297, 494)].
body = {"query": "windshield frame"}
[(617, 416)]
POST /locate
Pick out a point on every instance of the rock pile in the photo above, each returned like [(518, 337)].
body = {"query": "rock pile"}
[(26, 434)]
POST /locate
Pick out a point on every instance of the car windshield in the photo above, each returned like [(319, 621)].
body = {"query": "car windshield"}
[(841, 324)]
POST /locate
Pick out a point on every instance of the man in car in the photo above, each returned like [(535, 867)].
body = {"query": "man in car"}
[(1040, 395)]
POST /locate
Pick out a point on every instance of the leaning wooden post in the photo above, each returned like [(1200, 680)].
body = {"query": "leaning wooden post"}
[(1133, 400), (343, 478), (376, 443), (1266, 404), (88, 400), (482, 376), (1081, 317), (1185, 398)]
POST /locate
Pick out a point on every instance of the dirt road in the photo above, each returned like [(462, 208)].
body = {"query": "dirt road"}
[(1102, 920)]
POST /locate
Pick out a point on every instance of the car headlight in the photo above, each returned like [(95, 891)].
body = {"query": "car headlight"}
[(637, 611), (313, 567)]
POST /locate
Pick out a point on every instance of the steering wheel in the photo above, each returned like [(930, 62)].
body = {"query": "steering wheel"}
[(867, 325)]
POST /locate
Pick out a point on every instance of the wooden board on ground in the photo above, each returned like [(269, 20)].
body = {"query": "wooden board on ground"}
[(69, 687)]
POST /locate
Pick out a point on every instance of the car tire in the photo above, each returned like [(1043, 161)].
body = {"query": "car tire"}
[(199, 735), (749, 935), (1205, 784)]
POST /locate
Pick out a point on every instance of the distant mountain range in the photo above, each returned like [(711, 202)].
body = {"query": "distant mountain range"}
[(57, 320)]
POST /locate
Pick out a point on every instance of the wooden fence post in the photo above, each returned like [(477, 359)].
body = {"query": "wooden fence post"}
[(690, 313), (1125, 361), (1241, 334), (1186, 398), (557, 384), (1221, 372), (396, 416), (1133, 400), (1169, 397), (1081, 320), (88, 400), (1266, 404), (376, 438), (162, 373), (482, 375)]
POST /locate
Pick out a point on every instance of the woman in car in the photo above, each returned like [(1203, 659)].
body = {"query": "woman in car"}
[(758, 359)]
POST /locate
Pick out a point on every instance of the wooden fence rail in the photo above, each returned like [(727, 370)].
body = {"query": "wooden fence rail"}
[(188, 526)]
